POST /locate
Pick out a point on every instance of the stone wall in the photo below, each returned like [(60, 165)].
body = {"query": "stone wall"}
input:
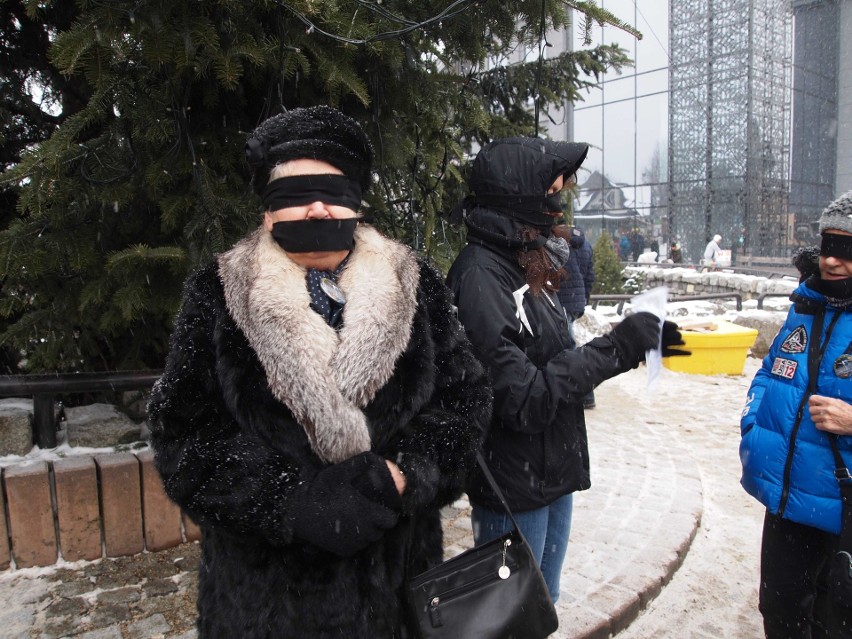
[(90, 426), (685, 281), (16, 431)]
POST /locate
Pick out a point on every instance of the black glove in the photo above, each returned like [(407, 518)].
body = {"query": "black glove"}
[(634, 335), (345, 507), (640, 332), (672, 337), (376, 482)]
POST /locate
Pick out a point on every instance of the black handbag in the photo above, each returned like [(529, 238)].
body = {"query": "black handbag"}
[(493, 591), (840, 562)]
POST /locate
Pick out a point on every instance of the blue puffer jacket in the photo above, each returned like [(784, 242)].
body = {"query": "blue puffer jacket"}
[(585, 257), (575, 289), (787, 463)]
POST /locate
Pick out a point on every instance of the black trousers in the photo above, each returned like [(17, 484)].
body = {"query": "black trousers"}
[(793, 598)]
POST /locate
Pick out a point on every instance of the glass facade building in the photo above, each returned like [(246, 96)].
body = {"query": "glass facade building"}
[(622, 184), (736, 119)]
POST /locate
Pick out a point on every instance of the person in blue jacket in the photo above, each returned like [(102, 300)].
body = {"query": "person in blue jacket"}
[(797, 402), (624, 248)]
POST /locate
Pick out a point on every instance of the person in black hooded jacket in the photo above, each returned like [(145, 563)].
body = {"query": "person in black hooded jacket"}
[(504, 282)]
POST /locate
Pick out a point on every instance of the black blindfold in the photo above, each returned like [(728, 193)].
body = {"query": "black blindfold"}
[(530, 209), (834, 245), (301, 190)]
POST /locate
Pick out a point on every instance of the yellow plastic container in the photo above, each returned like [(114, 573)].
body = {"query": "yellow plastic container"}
[(721, 348)]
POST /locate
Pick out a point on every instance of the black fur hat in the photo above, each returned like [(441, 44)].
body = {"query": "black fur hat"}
[(319, 133)]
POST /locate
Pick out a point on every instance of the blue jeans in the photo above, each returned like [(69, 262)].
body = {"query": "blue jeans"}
[(546, 529)]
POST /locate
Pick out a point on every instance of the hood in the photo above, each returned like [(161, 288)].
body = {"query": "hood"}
[(577, 238), (509, 179), (524, 166)]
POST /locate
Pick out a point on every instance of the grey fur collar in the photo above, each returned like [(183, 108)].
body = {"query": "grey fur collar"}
[(324, 377)]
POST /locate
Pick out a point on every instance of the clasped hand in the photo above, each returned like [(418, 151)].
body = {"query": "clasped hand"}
[(830, 414), (349, 505)]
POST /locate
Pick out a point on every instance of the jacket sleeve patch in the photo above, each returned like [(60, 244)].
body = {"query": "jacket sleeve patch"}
[(796, 342), (785, 368), (843, 366)]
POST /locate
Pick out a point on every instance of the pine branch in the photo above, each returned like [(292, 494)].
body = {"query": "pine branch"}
[(135, 256), (592, 11)]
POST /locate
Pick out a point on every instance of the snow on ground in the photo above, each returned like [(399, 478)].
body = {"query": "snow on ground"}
[(714, 592)]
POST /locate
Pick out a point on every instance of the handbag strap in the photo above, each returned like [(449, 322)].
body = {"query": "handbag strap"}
[(844, 481), (493, 483), (841, 472)]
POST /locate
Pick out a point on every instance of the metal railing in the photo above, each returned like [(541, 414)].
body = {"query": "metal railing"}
[(44, 388), (622, 299), (763, 296)]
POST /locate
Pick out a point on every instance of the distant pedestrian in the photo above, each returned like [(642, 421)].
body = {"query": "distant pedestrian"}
[(624, 248), (576, 287), (504, 281), (637, 245), (711, 252), (320, 403), (655, 249), (675, 253), (798, 403)]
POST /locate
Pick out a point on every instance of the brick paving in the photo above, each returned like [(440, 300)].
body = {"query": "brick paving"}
[(150, 595), (630, 534)]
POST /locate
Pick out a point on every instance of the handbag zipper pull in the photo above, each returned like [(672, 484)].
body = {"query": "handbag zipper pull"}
[(504, 570), (434, 613)]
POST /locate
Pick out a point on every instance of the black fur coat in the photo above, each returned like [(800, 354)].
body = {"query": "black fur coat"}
[(260, 395)]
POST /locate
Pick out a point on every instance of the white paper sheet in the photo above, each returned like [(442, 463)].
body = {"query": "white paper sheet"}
[(653, 301)]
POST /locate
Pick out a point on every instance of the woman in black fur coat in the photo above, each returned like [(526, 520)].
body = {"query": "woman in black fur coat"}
[(320, 403)]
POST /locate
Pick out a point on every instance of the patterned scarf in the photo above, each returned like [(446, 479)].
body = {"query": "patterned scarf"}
[(330, 309)]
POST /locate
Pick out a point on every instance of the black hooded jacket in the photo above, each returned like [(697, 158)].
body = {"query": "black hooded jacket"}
[(537, 446)]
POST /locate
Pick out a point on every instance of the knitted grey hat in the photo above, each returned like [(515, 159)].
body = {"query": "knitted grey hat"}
[(838, 214), (319, 133)]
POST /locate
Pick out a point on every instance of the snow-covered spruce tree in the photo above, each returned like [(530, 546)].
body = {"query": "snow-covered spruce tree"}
[(145, 180), (608, 268)]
